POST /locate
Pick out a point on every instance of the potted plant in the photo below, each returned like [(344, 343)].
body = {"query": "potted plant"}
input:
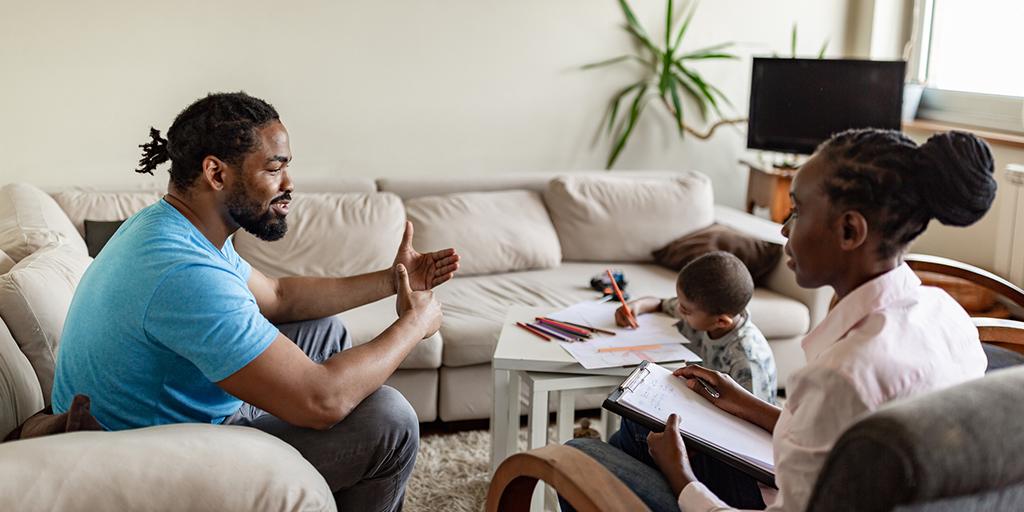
[(668, 77)]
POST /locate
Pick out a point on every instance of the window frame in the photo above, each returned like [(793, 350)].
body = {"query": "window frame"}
[(989, 111)]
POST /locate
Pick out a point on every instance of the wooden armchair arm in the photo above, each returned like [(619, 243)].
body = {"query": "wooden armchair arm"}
[(579, 479), (1008, 334), (983, 278)]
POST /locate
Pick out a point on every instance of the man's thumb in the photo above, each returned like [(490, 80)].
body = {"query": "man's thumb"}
[(402, 280)]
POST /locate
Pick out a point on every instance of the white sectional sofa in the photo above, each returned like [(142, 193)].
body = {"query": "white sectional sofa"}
[(528, 239)]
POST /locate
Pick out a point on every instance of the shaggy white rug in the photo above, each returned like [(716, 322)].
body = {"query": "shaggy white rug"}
[(453, 471)]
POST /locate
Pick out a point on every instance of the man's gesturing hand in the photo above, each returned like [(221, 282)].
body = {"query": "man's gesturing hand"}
[(420, 306), (426, 270)]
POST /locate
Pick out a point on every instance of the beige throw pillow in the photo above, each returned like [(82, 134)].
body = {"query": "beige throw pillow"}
[(80, 205), (611, 218), (20, 395), (330, 235), (34, 300), (6, 263), (492, 231), (30, 219)]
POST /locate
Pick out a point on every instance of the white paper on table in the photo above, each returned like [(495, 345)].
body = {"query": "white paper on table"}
[(661, 394), (654, 329)]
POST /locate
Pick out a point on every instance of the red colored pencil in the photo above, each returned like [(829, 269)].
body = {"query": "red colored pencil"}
[(565, 327), (618, 293), (533, 331)]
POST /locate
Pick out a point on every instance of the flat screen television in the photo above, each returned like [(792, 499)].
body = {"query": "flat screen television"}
[(796, 104)]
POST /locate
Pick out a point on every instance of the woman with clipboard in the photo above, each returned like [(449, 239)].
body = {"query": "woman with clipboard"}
[(857, 204)]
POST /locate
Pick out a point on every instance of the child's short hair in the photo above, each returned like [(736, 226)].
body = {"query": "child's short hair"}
[(718, 283)]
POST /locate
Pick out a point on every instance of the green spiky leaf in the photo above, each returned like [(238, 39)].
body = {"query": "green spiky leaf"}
[(685, 25), (677, 105), (824, 47), (792, 42), (634, 114)]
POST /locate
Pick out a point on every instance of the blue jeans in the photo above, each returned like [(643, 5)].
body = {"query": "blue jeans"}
[(626, 456)]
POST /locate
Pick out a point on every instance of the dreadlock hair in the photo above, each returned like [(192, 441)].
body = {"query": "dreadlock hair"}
[(221, 124), (899, 186), (717, 282)]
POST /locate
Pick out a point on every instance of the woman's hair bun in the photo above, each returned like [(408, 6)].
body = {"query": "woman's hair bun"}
[(955, 177)]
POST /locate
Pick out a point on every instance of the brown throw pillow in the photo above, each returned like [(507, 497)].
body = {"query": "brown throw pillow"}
[(44, 422), (759, 256)]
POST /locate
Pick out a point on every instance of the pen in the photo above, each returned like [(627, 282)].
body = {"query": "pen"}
[(709, 388)]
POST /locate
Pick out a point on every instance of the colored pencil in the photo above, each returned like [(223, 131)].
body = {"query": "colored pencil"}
[(618, 293), (627, 349), (564, 327), (554, 333), (589, 328), (533, 332)]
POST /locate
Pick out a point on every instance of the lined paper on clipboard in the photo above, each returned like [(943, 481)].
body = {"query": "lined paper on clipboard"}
[(653, 391)]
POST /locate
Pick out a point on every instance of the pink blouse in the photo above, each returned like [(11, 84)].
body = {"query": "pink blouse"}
[(890, 338)]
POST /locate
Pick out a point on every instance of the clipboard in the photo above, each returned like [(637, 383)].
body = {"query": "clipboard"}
[(634, 380)]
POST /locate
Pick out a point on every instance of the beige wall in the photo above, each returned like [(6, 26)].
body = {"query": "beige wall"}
[(366, 88)]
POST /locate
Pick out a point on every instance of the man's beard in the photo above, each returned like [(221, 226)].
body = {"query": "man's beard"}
[(250, 215)]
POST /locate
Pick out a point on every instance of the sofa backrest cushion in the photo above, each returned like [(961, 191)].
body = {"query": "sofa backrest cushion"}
[(6, 262), (30, 219), (20, 395), (330, 235), (492, 231), (616, 218), (34, 300), (103, 206)]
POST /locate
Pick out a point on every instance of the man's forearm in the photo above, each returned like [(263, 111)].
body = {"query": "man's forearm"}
[(352, 375), (306, 298)]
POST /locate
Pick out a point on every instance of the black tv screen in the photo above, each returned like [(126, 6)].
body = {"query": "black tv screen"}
[(796, 104)]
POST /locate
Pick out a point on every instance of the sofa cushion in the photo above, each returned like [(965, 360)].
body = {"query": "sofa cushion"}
[(20, 395), (759, 256), (475, 307), (30, 220), (612, 218), (6, 263), (330, 235), (492, 231), (367, 322), (34, 300), (83, 205), (98, 233), (168, 467)]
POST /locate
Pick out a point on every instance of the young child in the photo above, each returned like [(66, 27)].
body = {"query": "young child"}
[(712, 293)]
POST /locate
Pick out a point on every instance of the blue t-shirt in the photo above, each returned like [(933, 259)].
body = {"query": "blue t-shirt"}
[(157, 319)]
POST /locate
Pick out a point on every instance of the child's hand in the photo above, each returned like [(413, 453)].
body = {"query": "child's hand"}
[(622, 319)]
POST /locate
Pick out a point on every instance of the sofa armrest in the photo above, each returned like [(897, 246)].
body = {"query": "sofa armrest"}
[(168, 467), (781, 280)]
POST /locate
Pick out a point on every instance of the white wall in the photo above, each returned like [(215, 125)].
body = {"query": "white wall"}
[(366, 88)]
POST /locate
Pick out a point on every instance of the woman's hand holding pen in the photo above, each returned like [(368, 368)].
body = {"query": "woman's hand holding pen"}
[(640, 306), (732, 398)]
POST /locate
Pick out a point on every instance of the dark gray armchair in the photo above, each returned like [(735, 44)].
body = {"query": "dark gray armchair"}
[(961, 449)]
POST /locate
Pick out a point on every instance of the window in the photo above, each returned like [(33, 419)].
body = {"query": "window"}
[(969, 53)]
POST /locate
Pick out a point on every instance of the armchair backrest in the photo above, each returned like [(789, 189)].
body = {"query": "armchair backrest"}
[(955, 449)]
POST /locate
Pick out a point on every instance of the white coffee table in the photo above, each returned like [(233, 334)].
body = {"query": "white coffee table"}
[(544, 367)]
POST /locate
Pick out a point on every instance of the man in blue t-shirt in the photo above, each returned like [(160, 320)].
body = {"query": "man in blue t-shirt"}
[(170, 325)]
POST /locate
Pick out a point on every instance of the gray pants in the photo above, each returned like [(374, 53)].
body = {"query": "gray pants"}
[(369, 456)]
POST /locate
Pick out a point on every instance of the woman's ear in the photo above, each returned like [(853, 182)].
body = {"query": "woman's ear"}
[(853, 230)]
